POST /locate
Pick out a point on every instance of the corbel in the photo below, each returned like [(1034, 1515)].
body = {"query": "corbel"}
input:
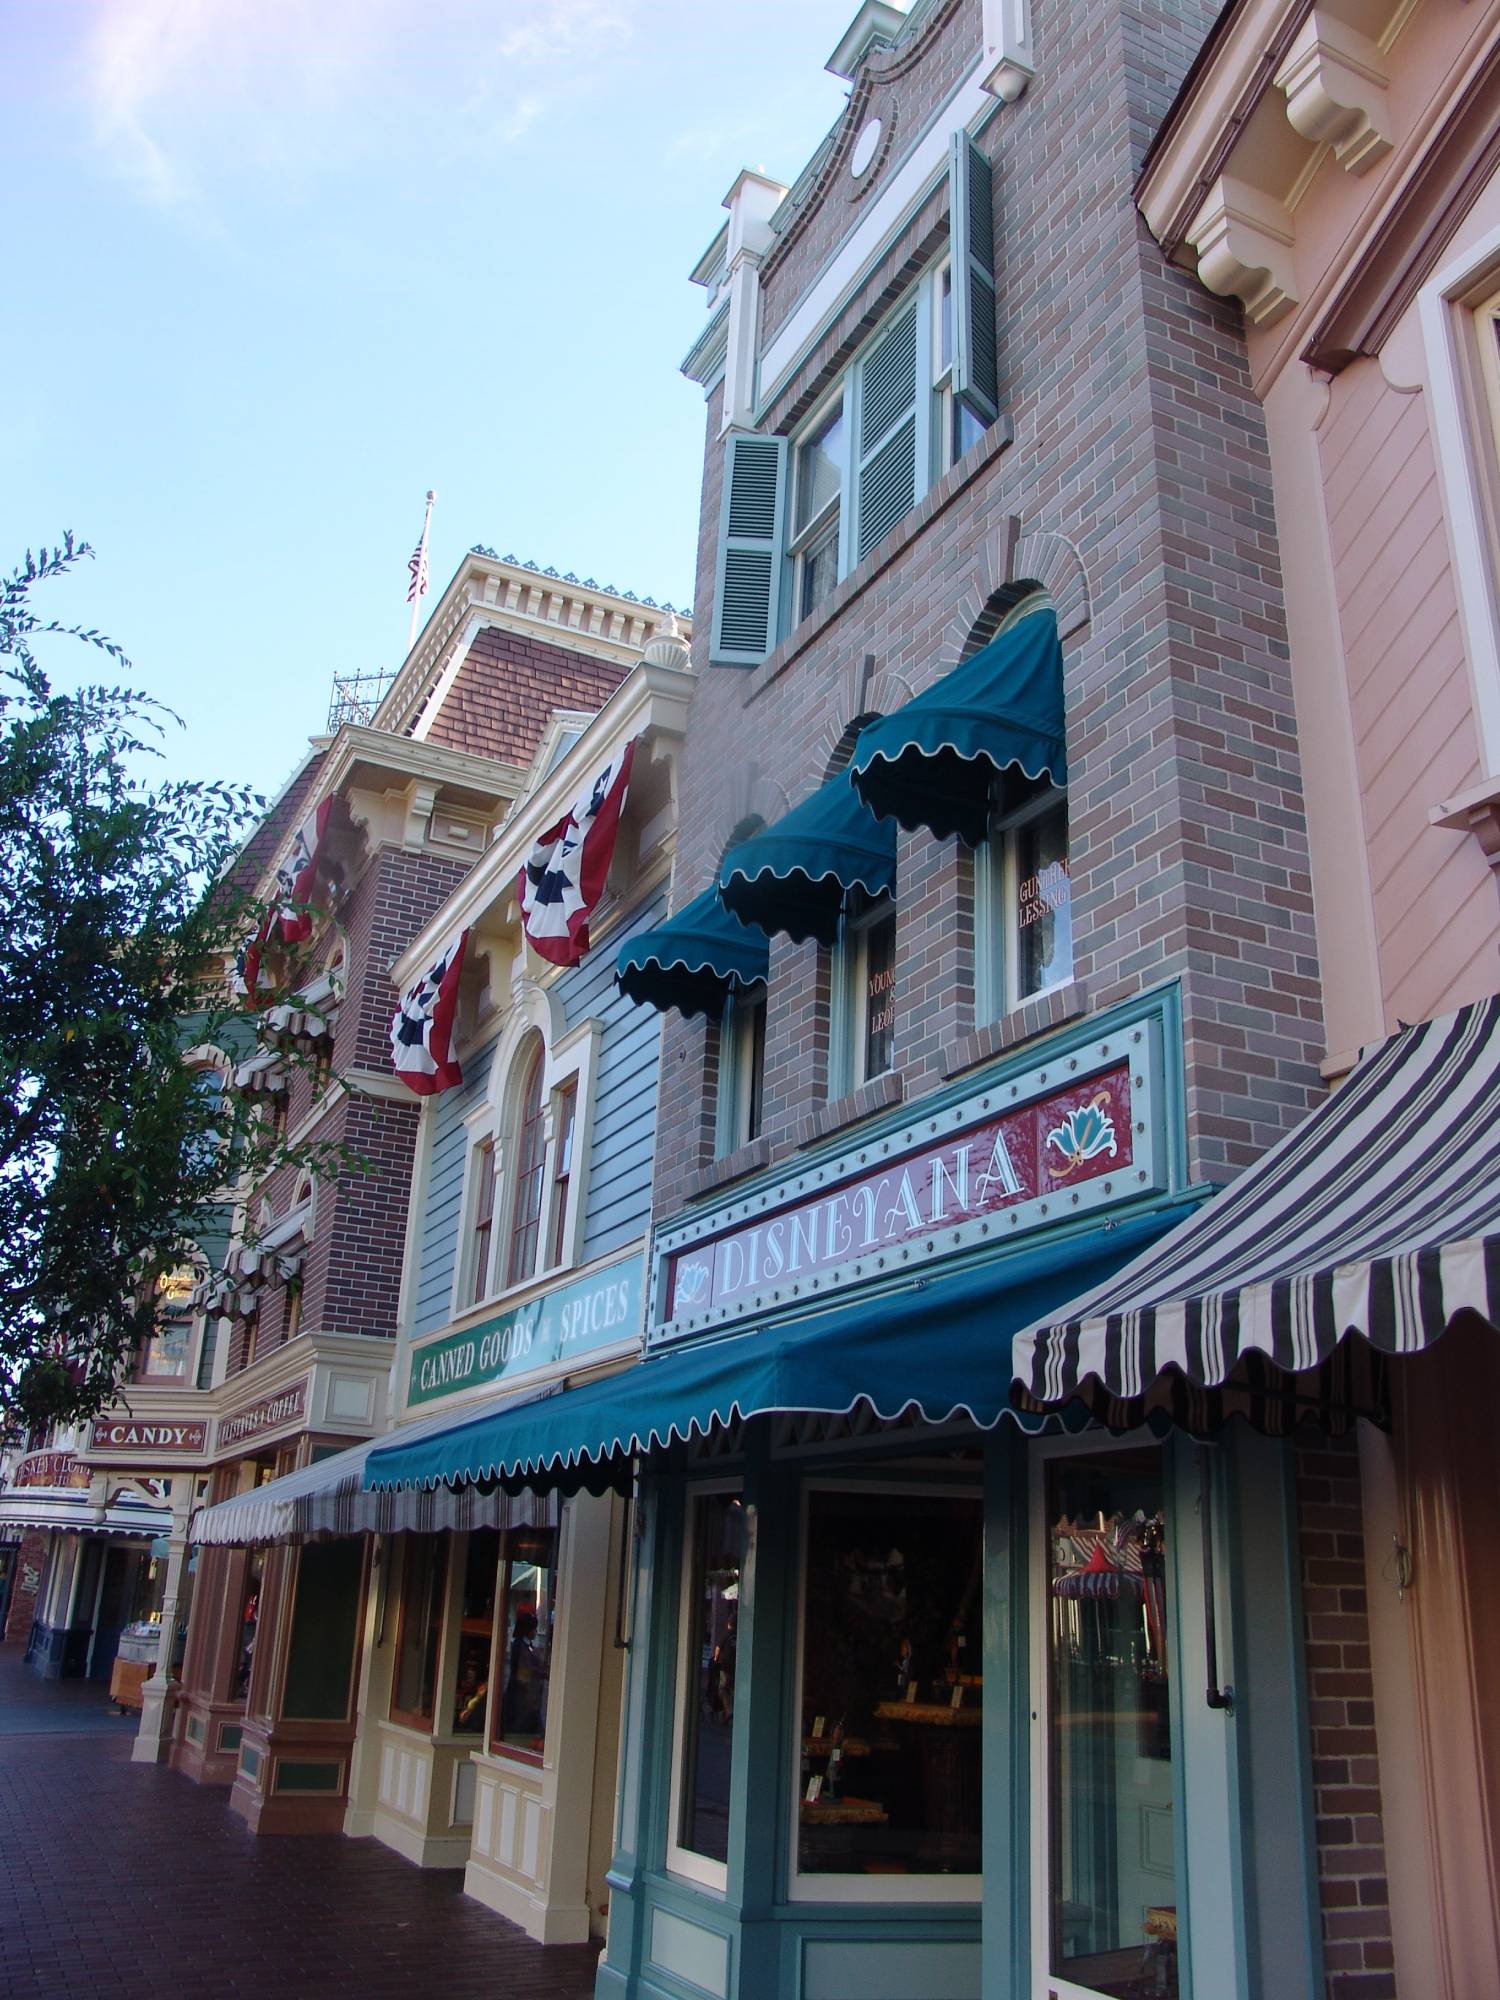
[(1009, 59), (1335, 89), (1477, 812), (1243, 240)]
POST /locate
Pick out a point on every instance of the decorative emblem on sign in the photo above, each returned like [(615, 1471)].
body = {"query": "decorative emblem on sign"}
[(1084, 1134)]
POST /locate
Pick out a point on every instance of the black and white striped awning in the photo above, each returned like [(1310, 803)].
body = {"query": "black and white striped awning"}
[(1379, 1217)]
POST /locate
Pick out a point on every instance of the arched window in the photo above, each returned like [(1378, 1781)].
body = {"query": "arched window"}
[(530, 1171)]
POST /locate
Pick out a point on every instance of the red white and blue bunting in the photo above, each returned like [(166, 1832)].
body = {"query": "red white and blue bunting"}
[(564, 876), (422, 1026), (289, 917)]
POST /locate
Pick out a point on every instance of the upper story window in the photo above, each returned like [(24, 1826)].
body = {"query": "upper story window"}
[(742, 1069), (1487, 328), (865, 991), (919, 394), (521, 1214)]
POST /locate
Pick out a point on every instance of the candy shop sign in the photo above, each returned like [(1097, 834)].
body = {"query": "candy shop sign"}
[(1068, 1138)]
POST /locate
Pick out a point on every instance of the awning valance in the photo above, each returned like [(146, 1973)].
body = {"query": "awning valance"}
[(329, 1498), (1378, 1216), (694, 960), (939, 1347), (796, 875), (934, 762)]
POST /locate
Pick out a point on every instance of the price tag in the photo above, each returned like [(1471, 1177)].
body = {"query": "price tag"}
[(958, 1697), (911, 1690), (814, 1790), (818, 1725)]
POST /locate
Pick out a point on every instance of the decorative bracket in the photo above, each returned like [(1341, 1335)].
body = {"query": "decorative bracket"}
[(1244, 243), (1476, 812), (1335, 91), (1009, 59)]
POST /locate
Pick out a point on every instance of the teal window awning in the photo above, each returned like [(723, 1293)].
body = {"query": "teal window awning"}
[(934, 762), (940, 1346), (796, 876), (694, 960)]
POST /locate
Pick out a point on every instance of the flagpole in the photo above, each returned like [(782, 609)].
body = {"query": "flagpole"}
[(416, 603)]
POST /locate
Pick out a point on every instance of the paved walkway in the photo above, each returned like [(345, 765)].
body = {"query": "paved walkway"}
[(129, 1881)]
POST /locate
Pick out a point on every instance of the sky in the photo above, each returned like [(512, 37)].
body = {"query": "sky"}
[(276, 267)]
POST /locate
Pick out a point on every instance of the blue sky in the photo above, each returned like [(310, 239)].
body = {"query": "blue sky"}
[(274, 269)]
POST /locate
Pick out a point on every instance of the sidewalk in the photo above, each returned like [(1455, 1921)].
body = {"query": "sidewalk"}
[(129, 1881)]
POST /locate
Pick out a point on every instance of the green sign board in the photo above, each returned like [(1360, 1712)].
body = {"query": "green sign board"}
[(591, 1313)]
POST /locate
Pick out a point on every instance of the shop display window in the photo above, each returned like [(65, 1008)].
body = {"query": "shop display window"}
[(1110, 1904), (711, 1606), (523, 1641), (892, 1691), (249, 1624), (476, 1624), (424, 1573)]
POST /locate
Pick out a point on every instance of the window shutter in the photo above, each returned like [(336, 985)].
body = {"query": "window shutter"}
[(971, 227), (747, 588), (887, 483)]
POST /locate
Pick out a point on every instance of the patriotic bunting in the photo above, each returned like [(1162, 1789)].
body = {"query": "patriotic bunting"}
[(288, 917), (422, 1027), (564, 877)]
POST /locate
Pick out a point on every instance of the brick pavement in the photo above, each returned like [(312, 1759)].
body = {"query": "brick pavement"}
[(124, 1881)]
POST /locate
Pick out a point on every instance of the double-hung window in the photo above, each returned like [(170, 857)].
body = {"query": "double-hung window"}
[(742, 1064), (864, 1045), (817, 508), (1023, 898)]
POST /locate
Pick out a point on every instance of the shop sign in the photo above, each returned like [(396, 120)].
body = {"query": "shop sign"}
[(51, 1468), (1073, 1136), (594, 1312), (268, 1415), (136, 1434)]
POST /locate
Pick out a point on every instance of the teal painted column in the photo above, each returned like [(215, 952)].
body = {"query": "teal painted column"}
[(760, 1760), (1005, 1956)]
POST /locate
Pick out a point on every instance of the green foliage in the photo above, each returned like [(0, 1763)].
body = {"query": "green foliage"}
[(121, 922)]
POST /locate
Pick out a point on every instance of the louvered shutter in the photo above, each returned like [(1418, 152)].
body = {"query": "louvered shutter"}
[(747, 588), (971, 225), (886, 486)]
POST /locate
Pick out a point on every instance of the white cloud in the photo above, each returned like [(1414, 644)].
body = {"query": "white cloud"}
[(184, 95)]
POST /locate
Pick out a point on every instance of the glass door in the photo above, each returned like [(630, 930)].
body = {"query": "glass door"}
[(1107, 1902)]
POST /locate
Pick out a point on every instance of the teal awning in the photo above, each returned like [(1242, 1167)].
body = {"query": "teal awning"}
[(934, 762), (794, 876), (694, 960), (940, 1346)]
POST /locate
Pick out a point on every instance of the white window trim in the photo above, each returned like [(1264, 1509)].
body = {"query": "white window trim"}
[(569, 1055), (847, 999), (732, 1108), (684, 1862), (1047, 1985), (1446, 325), (996, 894), (861, 1889)]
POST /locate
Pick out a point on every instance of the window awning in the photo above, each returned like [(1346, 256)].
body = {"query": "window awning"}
[(794, 876), (933, 763), (940, 1347), (329, 1498), (1378, 1216), (694, 960)]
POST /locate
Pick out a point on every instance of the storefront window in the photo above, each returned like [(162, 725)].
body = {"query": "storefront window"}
[(423, 1574), (523, 1640), (249, 1624), (716, 1539), (892, 1685), (476, 1625), (1112, 1899)]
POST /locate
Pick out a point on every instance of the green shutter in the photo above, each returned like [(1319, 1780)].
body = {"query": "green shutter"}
[(747, 588), (971, 227), (886, 485)]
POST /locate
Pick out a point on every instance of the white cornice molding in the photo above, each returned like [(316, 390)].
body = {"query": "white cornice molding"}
[(1009, 57), (653, 699), (1243, 241), (1335, 87)]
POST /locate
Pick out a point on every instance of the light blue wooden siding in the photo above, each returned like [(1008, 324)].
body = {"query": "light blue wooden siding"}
[(623, 1136), (438, 1229)]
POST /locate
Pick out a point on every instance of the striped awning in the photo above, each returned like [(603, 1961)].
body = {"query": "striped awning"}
[(1379, 1216), (329, 1498)]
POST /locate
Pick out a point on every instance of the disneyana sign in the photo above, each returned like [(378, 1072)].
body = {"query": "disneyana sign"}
[(1074, 1135)]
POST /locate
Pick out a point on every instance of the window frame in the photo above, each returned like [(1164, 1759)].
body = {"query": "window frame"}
[(504, 1580), (413, 1718), (862, 1890), (736, 1122), (530, 1149), (847, 1053), (933, 456), (685, 1862), (996, 910), (1091, 1443)]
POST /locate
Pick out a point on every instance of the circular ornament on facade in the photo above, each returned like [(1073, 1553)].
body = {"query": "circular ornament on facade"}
[(865, 148)]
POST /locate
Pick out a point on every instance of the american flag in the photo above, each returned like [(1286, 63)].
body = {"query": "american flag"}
[(418, 568)]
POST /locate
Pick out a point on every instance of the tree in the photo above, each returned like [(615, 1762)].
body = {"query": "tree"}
[(122, 917)]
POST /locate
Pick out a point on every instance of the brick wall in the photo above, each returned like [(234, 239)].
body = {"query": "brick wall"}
[(1138, 490), (505, 693), (1357, 1951), (31, 1558)]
